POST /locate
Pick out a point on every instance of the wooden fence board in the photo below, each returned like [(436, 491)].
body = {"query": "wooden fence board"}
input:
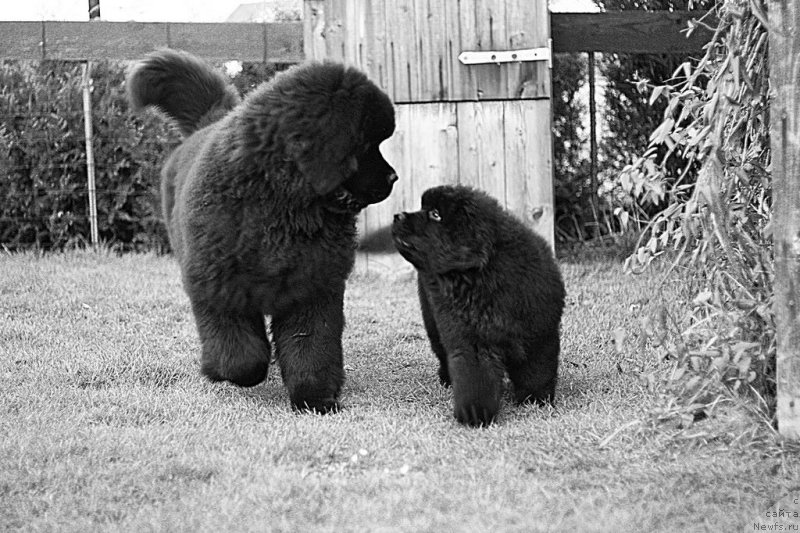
[(784, 61), (646, 32), (314, 29), (219, 41), (80, 41), (427, 51), (529, 162), (490, 19), (400, 25), (22, 40), (480, 147), (468, 41), (532, 78), (354, 33), (335, 30), (627, 31), (451, 49), (377, 58)]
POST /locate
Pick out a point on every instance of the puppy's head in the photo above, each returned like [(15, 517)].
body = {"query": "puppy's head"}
[(330, 121), (452, 232)]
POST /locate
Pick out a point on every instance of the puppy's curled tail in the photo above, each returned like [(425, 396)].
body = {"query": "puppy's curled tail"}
[(187, 90)]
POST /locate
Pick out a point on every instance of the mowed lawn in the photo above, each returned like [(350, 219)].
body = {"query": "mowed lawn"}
[(106, 423)]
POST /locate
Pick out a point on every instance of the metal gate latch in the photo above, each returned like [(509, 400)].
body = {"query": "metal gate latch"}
[(480, 57)]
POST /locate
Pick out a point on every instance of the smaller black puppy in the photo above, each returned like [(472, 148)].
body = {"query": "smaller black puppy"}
[(491, 297)]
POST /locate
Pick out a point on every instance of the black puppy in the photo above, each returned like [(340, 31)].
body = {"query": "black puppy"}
[(491, 296), (261, 201)]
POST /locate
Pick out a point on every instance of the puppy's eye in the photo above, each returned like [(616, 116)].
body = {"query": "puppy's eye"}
[(434, 215)]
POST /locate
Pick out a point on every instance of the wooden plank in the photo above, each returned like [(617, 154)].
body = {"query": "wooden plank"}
[(468, 89), (452, 46), (102, 40), (375, 61), (335, 35), (219, 41), (629, 31), (784, 47), (488, 25), (435, 145), (400, 25), (529, 164), (354, 32), (646, 32), (22, 40), (314, 29), (79, 41), (490, 17), (528, 27), (431, 50), (480, 147)]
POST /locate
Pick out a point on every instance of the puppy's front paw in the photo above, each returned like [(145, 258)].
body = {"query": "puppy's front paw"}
[(476, 414), (477, 390), (316, 405), (444, 376), (476, 404)]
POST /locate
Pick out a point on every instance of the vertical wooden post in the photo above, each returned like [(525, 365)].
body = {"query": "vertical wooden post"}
[(784, 59), (314, 29), (87, 120)]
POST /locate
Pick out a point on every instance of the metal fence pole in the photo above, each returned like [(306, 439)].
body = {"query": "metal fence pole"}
[(591, 64), (87, 119)]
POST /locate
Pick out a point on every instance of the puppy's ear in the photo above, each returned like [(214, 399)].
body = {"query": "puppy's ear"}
[(325, 162)]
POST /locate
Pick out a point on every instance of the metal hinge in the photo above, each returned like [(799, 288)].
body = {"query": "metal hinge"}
[(481, 57)]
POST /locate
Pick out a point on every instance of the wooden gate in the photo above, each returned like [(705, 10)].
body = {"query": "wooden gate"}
[(487, 125)]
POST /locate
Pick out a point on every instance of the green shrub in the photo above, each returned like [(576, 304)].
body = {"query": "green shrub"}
[(717, 229), (43, 169), (631, 117)]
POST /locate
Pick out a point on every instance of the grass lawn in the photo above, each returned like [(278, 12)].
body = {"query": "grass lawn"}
[(106, 423)]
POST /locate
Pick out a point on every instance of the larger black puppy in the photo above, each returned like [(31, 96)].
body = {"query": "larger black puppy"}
[(491, 297), (261, 200)]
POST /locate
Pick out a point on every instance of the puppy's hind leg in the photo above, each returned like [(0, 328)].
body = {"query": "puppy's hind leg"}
[(234, 345), (534, 378)]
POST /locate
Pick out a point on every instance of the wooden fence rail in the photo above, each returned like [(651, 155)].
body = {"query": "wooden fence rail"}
[(645, 32), (627, 31)]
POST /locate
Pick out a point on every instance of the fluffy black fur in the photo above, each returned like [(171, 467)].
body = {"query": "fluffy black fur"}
[(260, 201), (491, 296)]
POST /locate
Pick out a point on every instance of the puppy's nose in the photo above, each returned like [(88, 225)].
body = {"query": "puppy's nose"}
[(392, 178), (399, 217)]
